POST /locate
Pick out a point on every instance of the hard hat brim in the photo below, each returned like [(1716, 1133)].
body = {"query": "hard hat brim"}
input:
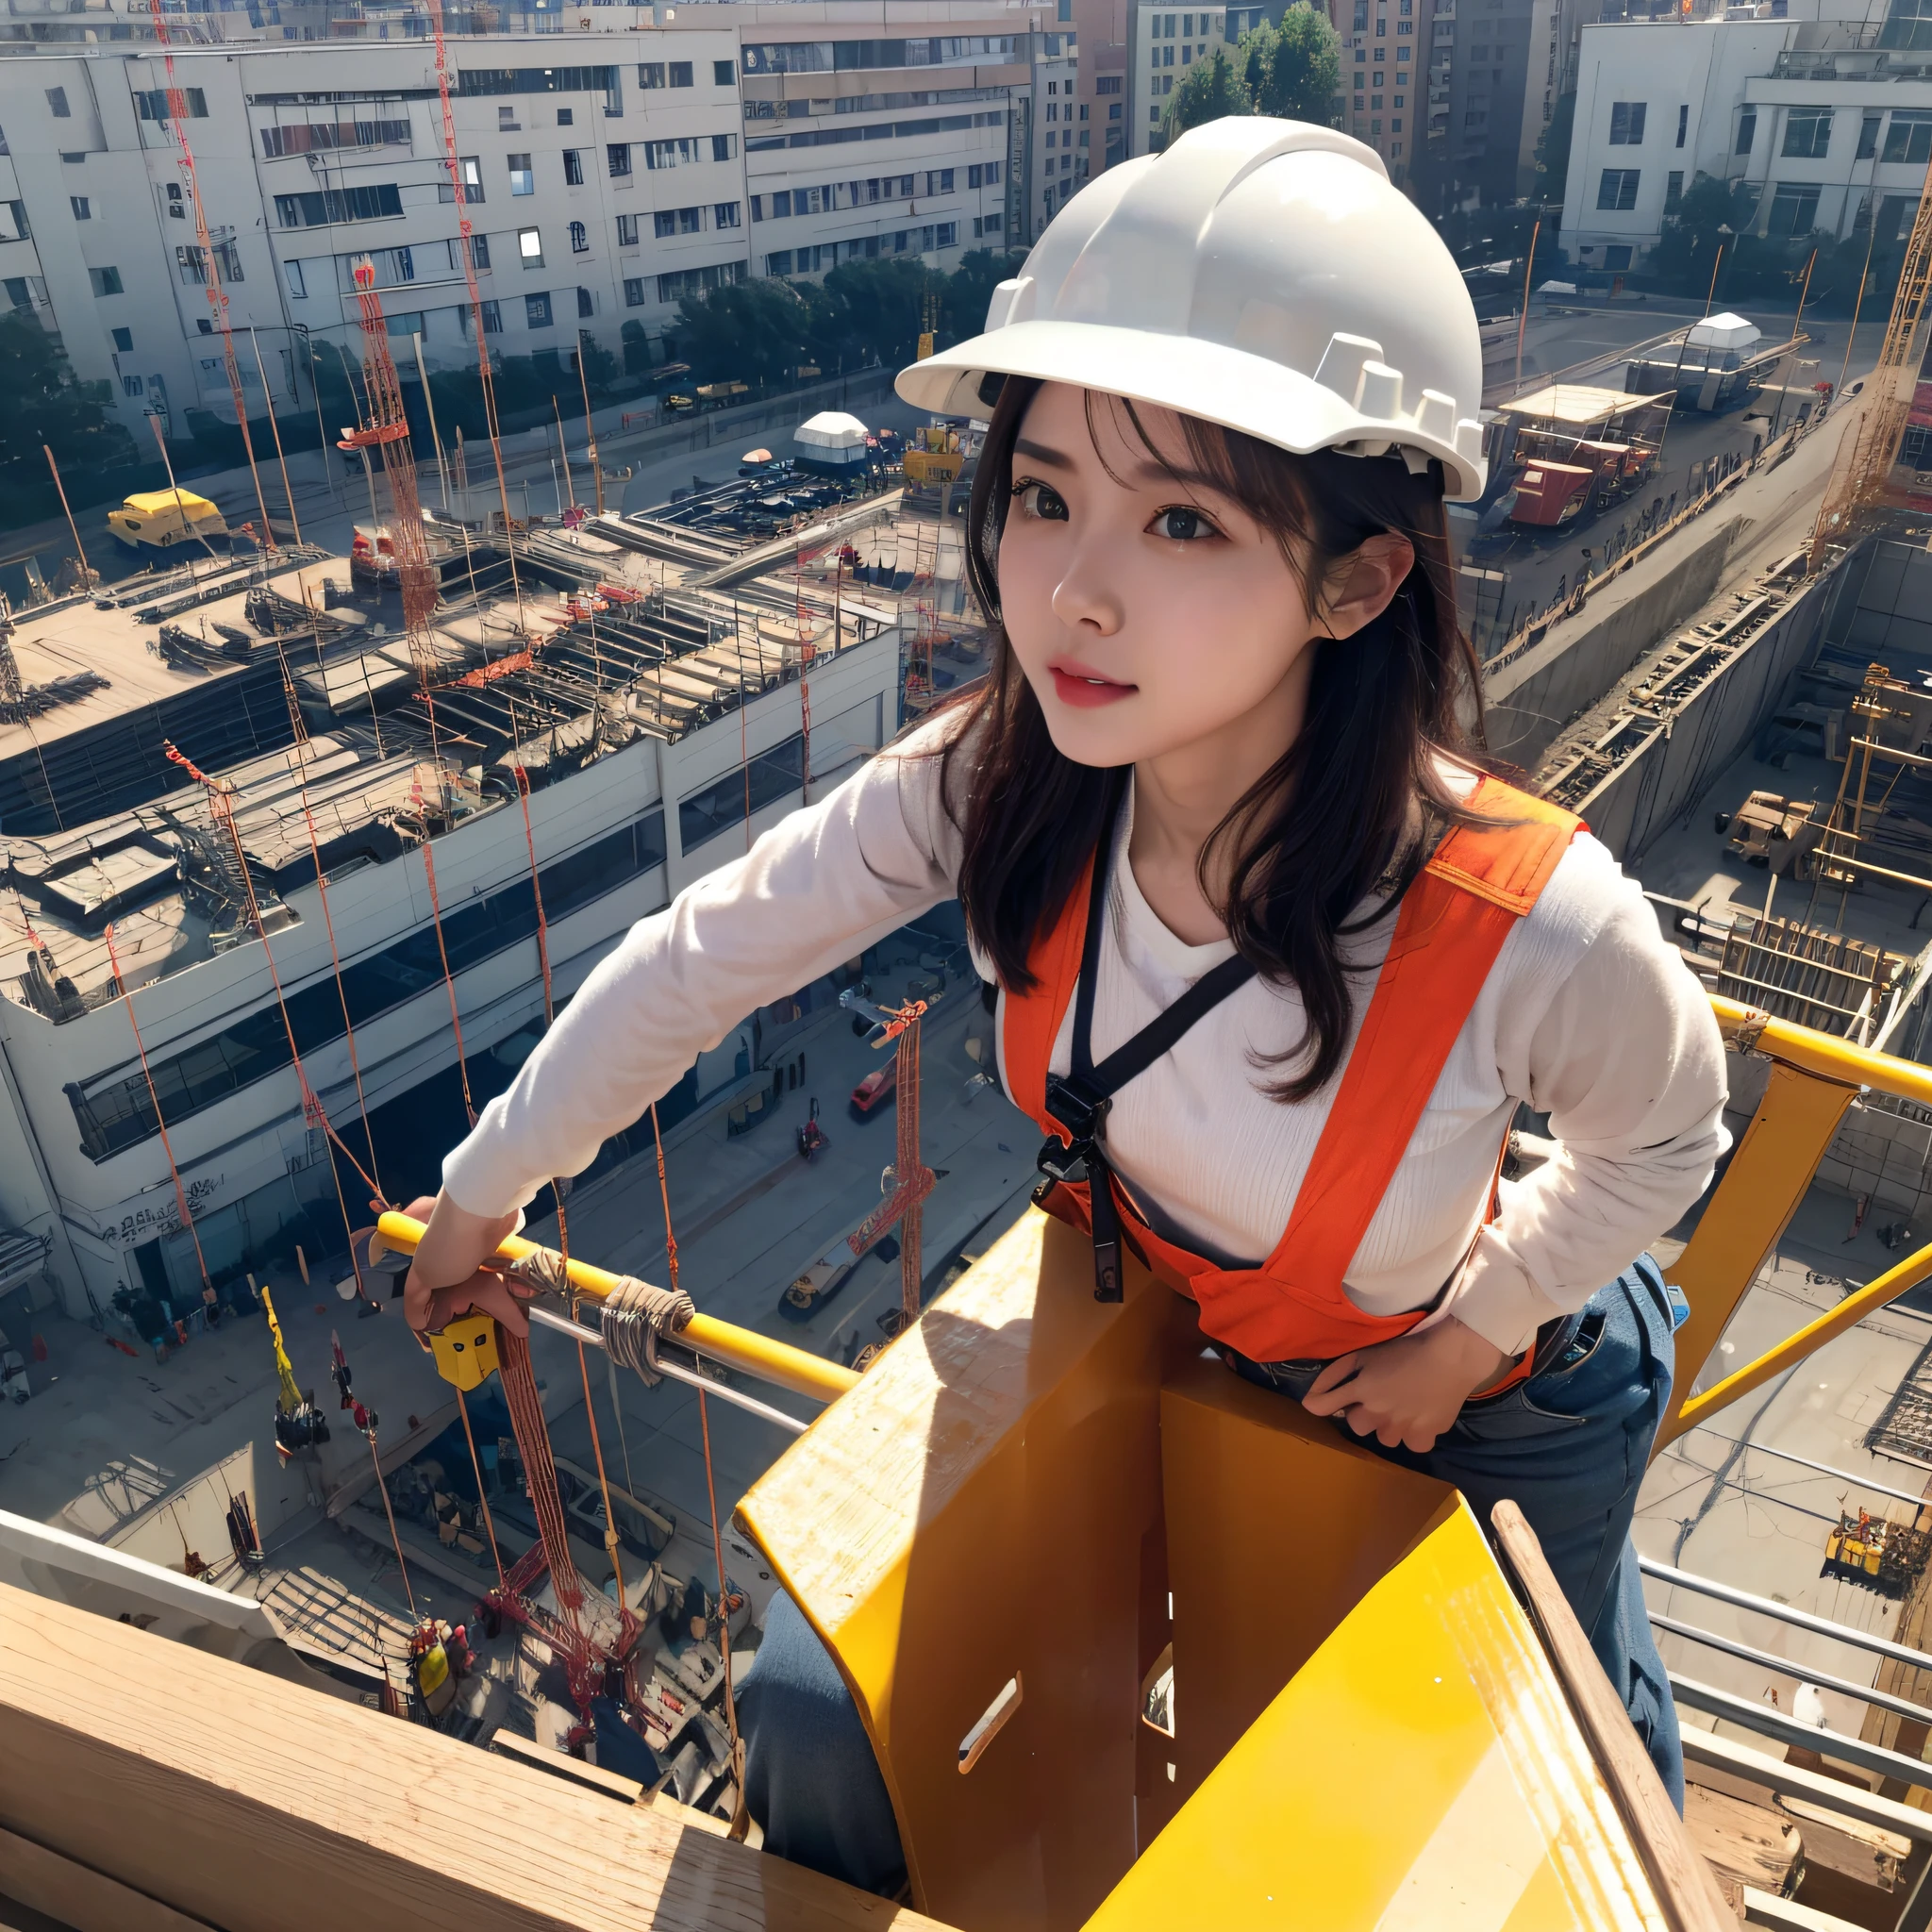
[(1241, 390)]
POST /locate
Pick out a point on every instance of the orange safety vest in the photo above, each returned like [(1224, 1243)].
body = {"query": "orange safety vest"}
[(1450, 928)]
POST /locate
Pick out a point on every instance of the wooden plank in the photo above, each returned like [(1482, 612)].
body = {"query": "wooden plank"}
[(1740, 1840), (1788, 1915), (79, 1897), (253, 1803), (1685, 1887)]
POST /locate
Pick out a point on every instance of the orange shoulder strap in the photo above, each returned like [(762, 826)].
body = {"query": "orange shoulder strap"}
[(1452, 925), (1032, 1020)]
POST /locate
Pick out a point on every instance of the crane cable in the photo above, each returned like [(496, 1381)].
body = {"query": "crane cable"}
[(301, 740), (442, 954), (741, 1814), (312, 1103), (155, 1101)]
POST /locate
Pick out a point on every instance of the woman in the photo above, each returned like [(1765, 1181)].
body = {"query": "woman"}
[(1276, 963)]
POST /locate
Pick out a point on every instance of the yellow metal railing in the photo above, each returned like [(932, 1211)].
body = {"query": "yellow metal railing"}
[(724, 1341), (1814, 1079)]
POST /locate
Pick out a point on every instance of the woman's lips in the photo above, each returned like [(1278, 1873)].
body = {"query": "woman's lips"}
[(1085, 690)]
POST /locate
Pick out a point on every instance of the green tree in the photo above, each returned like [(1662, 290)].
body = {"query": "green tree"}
[(47, 403), (1209, 90), (746, 331), (1553, 149), (1293, 71), (968, 290)]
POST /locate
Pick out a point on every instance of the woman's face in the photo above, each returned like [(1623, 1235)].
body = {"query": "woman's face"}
[(1151, 615)]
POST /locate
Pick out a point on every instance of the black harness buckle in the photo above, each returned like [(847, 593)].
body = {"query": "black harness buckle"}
[(1083, 1114)]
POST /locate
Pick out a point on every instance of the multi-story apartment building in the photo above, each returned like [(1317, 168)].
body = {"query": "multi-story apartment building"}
[(1825, 123), (608, 172), (1386, 46), (1163, 46)]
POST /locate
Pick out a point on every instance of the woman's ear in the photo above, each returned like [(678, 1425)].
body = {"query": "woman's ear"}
[(1363, 584)]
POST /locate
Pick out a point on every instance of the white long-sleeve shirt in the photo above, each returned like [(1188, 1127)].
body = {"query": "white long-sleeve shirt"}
[(1587, 1015)]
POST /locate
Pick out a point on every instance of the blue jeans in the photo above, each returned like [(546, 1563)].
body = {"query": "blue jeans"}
[(1568, 1445)]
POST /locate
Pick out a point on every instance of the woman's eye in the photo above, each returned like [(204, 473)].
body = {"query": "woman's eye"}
[(1038, 500), (1184, 525)]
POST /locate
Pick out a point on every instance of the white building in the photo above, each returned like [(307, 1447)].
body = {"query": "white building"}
[(1162, 45), (1824, 127), (613, 169)]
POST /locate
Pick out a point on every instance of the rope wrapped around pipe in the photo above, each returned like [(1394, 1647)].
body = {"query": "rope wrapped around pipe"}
[(631, 1311)]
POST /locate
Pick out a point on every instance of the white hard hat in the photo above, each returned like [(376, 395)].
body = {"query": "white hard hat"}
[(1260, 274)]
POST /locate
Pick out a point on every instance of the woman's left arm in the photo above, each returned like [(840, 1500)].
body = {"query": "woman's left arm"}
[(1601, 1026), (1622, 1053)]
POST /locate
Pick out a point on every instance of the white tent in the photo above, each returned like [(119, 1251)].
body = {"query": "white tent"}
[(831, 440), (1726, 331)]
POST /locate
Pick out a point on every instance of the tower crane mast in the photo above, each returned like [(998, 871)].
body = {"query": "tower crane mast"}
[(211, 268), (1860, 477)]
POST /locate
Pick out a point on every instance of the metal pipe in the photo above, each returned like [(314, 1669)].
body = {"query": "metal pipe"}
[(1821, 1053), (739, 1348), (1798, 1620), (1857, 1482), (590, 1337), (1693, 1695), (1786, 1668)]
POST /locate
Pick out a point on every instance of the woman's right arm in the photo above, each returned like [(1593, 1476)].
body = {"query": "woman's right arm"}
[(821, 885)]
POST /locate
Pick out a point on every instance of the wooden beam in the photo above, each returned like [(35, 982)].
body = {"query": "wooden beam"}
[(79, 1897), (252, 1804), (1686, 1889)]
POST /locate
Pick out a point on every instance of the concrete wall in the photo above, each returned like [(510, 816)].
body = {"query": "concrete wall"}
[(1891, 603), (1531, 698), (1672, 770)]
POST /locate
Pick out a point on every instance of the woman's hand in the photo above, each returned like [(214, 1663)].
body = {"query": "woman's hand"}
[(445, 1279), (1408, 1392)]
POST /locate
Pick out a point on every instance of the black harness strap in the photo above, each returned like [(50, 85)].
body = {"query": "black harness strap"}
[(1081, 1100)]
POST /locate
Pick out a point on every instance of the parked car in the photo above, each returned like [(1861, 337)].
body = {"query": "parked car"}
[(876, 1089)]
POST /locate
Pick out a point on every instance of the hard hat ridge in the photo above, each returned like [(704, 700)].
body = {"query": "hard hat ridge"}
[(1260, 274)]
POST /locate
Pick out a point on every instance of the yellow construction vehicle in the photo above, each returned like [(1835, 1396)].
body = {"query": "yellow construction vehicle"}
[(165, 520)]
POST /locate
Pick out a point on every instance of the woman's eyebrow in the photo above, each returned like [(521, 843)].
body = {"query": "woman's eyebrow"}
[(1040, 453)]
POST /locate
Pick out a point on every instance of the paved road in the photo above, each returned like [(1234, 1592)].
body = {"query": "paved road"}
[(1538, 565)]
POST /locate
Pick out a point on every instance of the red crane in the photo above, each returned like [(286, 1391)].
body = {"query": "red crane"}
[(912, 1180), (388, 431)]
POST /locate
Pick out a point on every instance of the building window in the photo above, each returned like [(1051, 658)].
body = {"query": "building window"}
[(1617, 189), (530, 247), (1107, 84), (778, 262), (130, 385), (722, 73), (1868, 137), (523, 178), (493, 318), (537, 312), (1908, 137), (1793, 208), (1807, 133), (177, 207), (724, 147), (1617, 256), (57, 103), (78, 203), (724, 214), (634, 291), (939, 180), (1673, 189), (334, 205), (579, 239), (586, 304), (573, 167), (479, 253), (106, 281), (627, 231), (1626, 122), (680, 74), (506, 119), (1747, 131), (947, 235), (151, 104), (617, 157), (123, 341), (678, 221), (651, 74), (297, 285)]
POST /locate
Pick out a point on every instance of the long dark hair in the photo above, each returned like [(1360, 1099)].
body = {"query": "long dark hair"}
[(1349, 811)]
